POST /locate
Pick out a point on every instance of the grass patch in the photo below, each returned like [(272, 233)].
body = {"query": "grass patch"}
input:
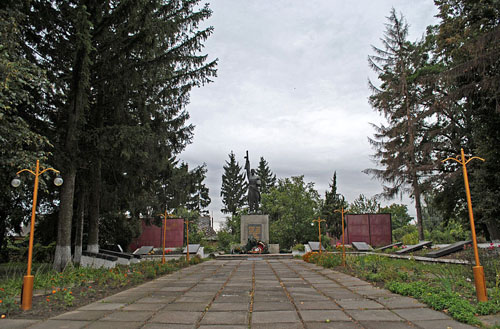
[(59, 291)]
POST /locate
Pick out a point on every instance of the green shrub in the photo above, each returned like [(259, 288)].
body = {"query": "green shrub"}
[(299, 247), (224, 241), (410, 238)]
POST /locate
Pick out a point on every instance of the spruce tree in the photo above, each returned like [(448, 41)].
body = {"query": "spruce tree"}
[(403, 146), (267, 178), (468, 42), (333, 202), (123, 72), (234, 186), (199, 198)]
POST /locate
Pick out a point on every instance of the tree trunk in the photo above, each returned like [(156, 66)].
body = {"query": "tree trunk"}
[(418, 208), (63, 248), (95, 197), (78, 102), (79, 227), (493, 229)]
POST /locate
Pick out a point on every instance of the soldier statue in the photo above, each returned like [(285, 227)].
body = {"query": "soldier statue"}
[(253, 187)]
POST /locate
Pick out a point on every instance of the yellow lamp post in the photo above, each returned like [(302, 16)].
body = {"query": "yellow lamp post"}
[(27, 289), (342, 211), (319, 220), (187, 239), (165, 216), (478, 269)]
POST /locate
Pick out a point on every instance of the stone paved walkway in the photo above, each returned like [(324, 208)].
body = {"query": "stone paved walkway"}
[(239, 294)]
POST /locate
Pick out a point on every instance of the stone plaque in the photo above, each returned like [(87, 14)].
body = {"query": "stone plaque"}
[(256, 231), (256, 225), (362, 246)]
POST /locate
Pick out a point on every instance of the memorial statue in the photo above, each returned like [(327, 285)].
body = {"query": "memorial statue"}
[(253, 187)]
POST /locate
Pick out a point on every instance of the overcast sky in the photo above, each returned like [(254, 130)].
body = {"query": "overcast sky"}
[(292, 87)]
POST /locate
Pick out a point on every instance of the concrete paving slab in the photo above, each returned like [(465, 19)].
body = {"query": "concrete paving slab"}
[(60, 324), (442, 324), (200, 293), (386, 325), (16, 323), (126, 316), (144, 307), (359, 304), (273, 306), (373, 315), (101, 306), (117, 324), (271, 317), (265, 299), (189, 307), (323, 315), (168, 326), (229, 307), (291, 325), (341, 293), (155, 300), (122, 299), (81, 315), (400, 302), (313, 305), (416, 314), (332, 325), (232, 318), (232, 299), (305, 297), (206, 299), (490, 320), (176, 317), (222, 326)]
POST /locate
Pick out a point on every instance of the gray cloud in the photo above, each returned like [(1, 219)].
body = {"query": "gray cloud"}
[(292, 87)]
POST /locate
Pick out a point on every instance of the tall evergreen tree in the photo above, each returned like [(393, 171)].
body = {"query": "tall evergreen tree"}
[(267, 178), (364, 205), (333, 202), (199, 198), (123, 72), (234, 186), (468, 42), (22, 85), (403, 146)]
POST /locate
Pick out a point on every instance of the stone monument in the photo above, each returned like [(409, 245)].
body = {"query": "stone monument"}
[(255, 223)]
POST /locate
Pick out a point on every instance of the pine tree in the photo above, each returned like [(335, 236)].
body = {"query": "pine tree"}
[(333, 202), (123, 72), (199, 198), (267, 178), (234, 186), (468, 42), (22, 85), (403, 146)]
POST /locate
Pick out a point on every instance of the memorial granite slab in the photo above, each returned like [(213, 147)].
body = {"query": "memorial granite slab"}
[(314, 245), (416, 247), (193, 249), (392, 245), (457, 246), (144, 250), (362, 246)]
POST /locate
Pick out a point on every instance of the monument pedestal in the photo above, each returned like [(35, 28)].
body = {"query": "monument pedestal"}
[(256, 225)]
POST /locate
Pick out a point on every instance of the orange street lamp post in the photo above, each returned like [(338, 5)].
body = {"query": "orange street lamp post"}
[(478, 269), (187, 239), (319, 220), (27, 289), (342, 211), (165, 216)]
